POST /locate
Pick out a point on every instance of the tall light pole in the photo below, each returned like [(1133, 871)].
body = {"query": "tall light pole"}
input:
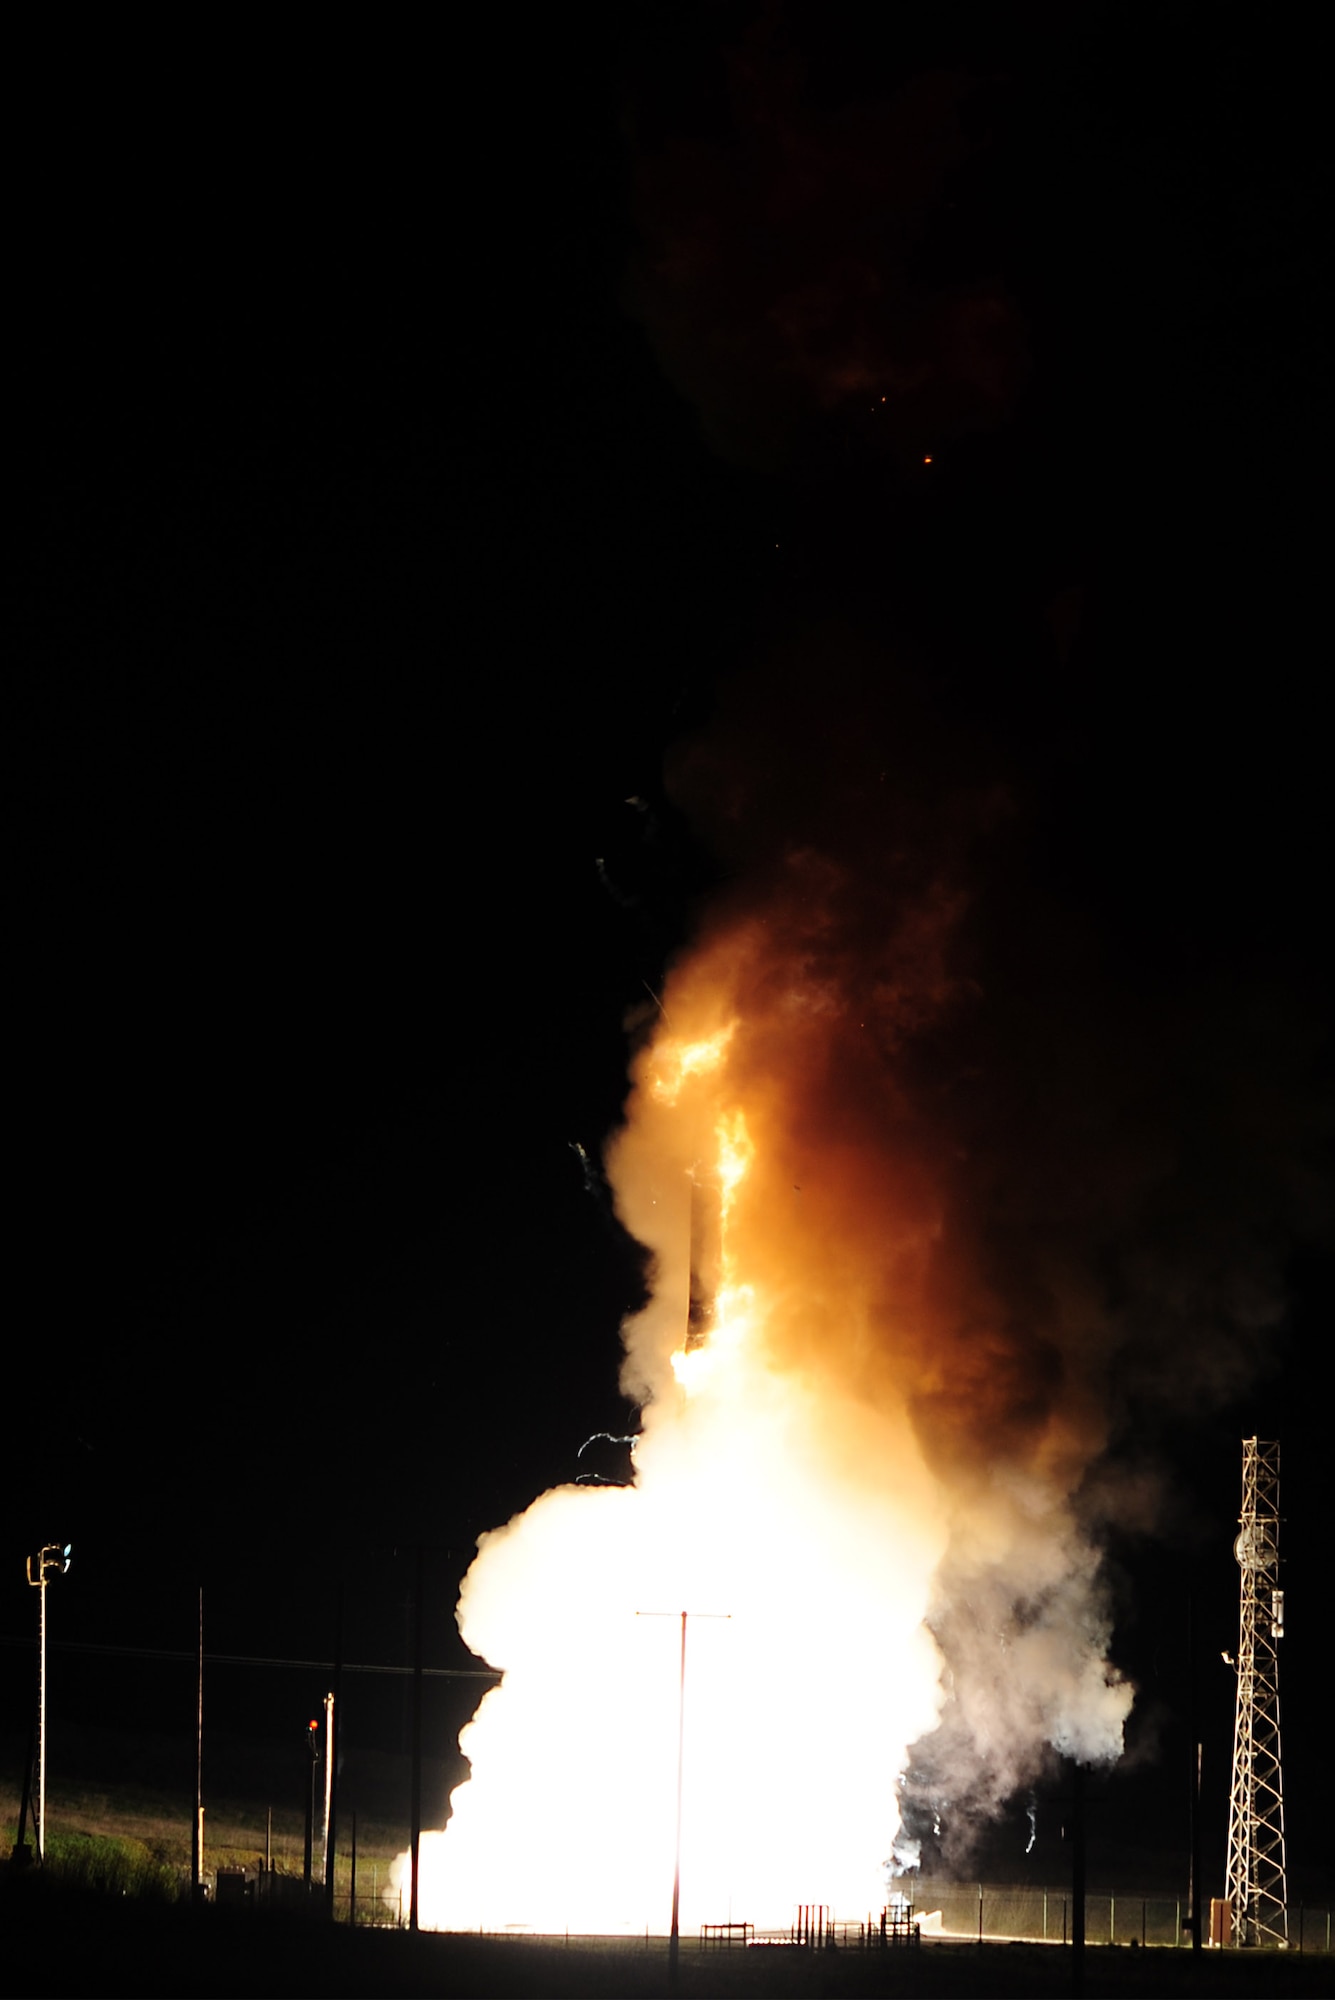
[(52, 1559)]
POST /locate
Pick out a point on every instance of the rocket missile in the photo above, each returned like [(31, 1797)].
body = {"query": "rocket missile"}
[(706, 1255)]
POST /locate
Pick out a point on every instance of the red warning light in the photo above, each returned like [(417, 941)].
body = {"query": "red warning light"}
[(928, 459), (312, 1725)]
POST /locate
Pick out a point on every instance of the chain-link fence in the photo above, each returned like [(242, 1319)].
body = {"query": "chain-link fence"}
[(1044, 1915), (1000, 1910), (983, 1911)]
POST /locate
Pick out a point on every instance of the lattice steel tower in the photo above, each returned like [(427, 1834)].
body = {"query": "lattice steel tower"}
[(1255, 1886)]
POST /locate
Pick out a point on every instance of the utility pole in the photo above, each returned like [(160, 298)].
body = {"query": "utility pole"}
[(418, 1670), (674, 1935), (1255, 1885), (313, 1740), (681, 1745), (197, 1831), (1194, 1815), (414, 1901)]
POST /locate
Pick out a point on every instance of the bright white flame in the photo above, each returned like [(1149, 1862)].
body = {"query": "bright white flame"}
[(805, 1682)]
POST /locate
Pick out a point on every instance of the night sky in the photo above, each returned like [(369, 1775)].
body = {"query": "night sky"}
[(421, 442)]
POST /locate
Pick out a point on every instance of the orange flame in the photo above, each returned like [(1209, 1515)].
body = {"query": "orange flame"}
[(677, 1062)]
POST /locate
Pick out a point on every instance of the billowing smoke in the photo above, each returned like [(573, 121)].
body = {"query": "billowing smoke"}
[(801, 253), (893, 1211)]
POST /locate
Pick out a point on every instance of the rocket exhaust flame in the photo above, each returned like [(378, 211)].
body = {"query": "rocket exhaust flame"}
[(848, 1443)]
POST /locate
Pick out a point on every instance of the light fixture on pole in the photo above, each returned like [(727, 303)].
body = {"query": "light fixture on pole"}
[(52, 1559)]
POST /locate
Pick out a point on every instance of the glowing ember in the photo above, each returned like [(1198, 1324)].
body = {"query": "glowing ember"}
[(831, 1454)]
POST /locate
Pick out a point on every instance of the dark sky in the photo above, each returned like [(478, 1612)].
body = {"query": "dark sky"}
[(417, 439)]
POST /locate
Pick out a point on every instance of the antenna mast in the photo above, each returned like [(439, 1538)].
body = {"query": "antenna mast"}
[(1255, 1885)]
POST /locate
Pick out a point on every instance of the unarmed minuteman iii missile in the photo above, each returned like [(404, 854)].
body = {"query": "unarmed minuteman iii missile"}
[(706, 1255)]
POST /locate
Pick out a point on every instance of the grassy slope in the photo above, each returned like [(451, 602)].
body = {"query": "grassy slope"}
[(128, 1832)]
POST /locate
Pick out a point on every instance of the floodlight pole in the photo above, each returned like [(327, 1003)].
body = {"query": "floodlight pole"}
[(52, 1557), (40, 1827)]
